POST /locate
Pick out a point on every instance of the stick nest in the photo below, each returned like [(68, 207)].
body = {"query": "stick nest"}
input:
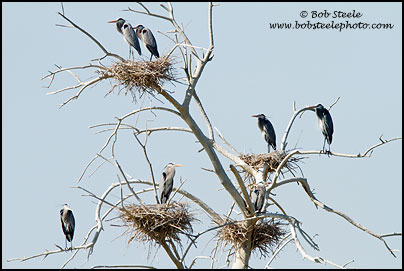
[(272, 159), (142, 76), (156, 222), (265, 235)]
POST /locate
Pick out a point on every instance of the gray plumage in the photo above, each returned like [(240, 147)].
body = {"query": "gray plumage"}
[(147, 37), (167, 182), (128, 33), (68, 222), (119, 23), (325, 123), (258, 197), (267, 131)]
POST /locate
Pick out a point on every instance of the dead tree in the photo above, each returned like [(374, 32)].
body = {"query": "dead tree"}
[(267, 231)]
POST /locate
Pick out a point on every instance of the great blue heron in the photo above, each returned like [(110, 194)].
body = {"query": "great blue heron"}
[(258, 197), (325, 123), (68, 223), (146, 36), (167, 182), (128, 33), (267, 131)]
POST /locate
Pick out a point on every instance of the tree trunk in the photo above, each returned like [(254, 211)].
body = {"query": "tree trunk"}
[(242, 256), (242, 252)]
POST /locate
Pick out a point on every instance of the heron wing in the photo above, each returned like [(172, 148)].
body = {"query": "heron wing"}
[(261, 199), (270, 135), (254, 198), (161, 185), (130, 36), (68, 224), (149, 41), (327, 126), (63, 226), (148, 37), (72, 224)]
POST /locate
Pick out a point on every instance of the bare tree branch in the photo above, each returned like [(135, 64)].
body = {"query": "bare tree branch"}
[(243, 190), (126, 180), (292, 153), (92, 38), (380, 237), (295, 114), (176, 261), (193, 72), (227, 143), (150, 166), (205, 116), (123, 266), (279, 248), (151, 130)]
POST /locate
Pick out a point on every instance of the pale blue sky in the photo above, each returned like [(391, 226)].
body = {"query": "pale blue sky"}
[(254, 70)]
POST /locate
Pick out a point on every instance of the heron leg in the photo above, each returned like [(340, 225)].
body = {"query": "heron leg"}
[(151, 55), (324, 145), (269, 148), (329, 150)]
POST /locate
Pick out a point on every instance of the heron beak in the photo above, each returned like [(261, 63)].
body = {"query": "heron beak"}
[(112, 22), (178, 165), (255, 116), (313, 108)]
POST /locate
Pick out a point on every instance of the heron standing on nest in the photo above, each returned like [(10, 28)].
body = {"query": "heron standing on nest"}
[(167, 182), (147, 37), (325, 123), (267, 131), (258, 197), (128, 33), (68, 224)]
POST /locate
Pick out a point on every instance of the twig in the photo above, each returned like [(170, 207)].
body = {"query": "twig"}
[(200, 63), (197, 258), (85, 85), (204, 115), (126, 180), (226, 142), (294, 152), (176, 261), (151, 130), (175, 191), (143, 146), (92, 38), (334, 103), (243, 190), (357, 225), (72, 68), (279, 248), (295, 114)]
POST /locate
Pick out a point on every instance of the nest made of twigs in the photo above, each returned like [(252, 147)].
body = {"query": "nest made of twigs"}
[(272, 159), (150, 223), (265, 235), (142, 76)]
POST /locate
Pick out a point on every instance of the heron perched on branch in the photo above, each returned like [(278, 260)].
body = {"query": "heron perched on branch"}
[(68, 224), (167, 182), (147, 37), (128, 33), (325, 123), (267, 131), (258, 197)]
